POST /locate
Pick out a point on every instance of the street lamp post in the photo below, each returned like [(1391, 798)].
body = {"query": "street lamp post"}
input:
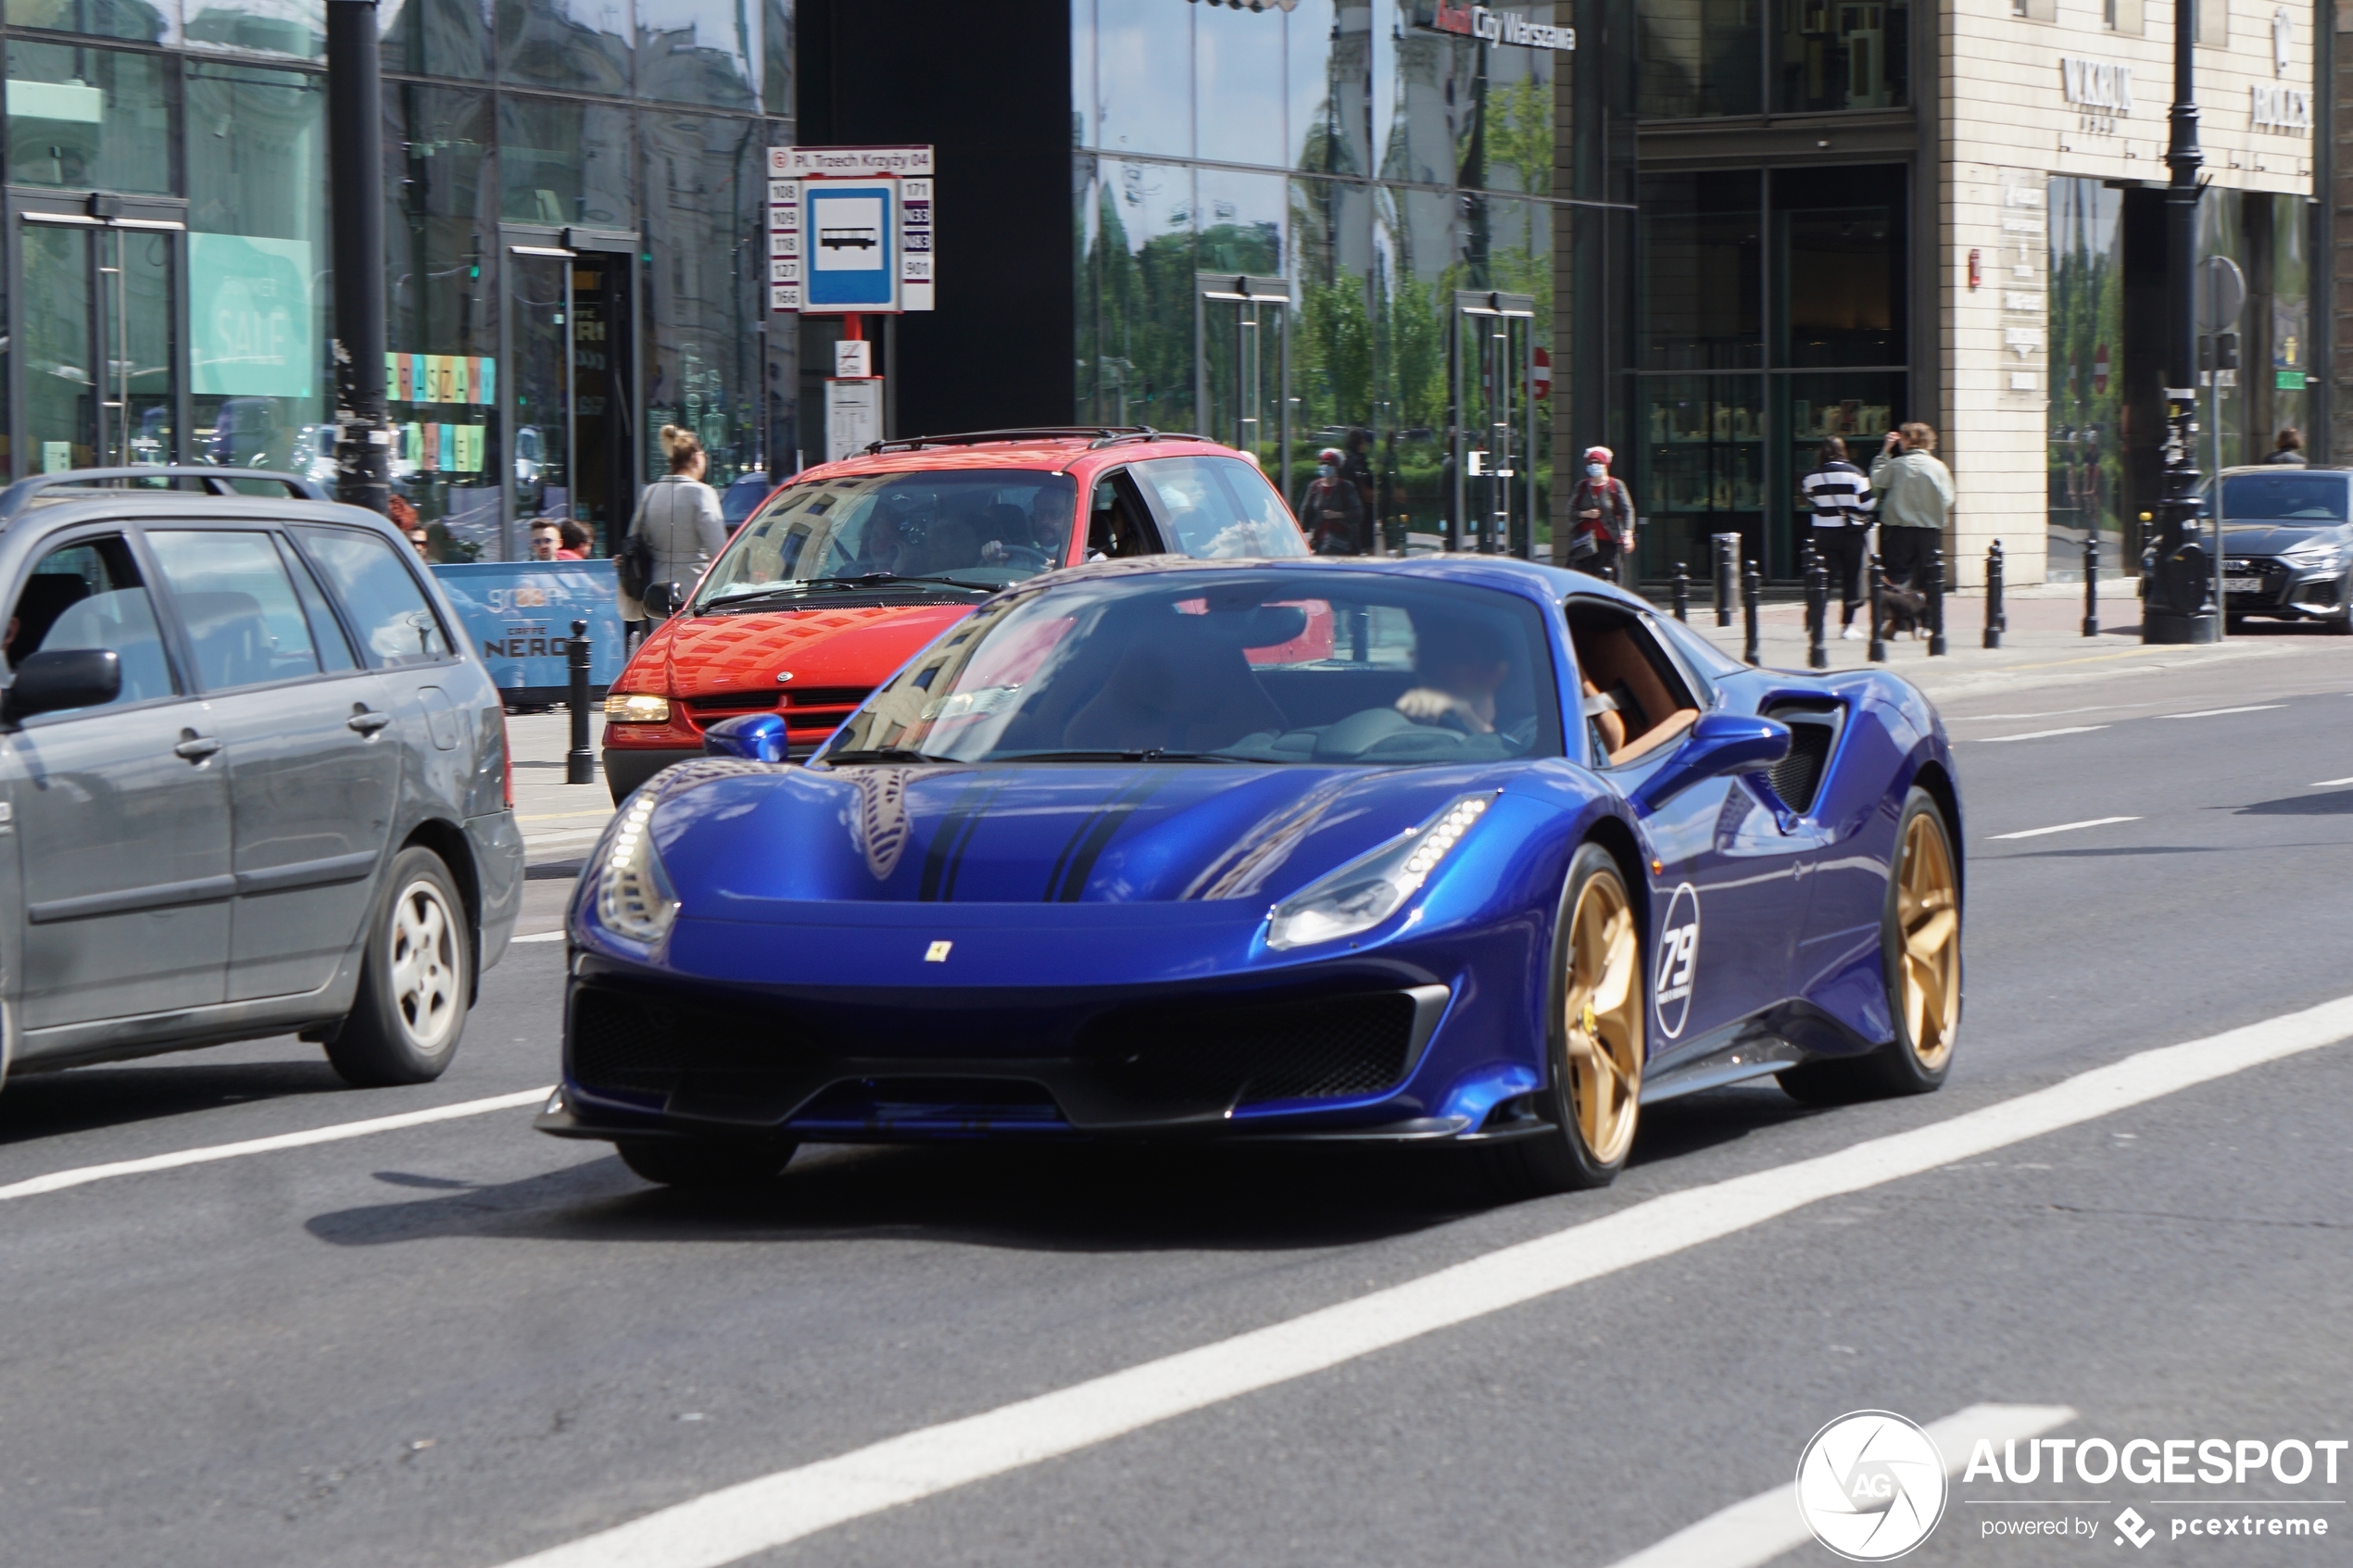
[(2178, 608), (354, 163)]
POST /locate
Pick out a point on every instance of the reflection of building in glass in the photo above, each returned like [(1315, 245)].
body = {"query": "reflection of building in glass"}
[(572, 189)]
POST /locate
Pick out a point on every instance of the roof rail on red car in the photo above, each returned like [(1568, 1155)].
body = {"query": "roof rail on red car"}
[(1094, 436)]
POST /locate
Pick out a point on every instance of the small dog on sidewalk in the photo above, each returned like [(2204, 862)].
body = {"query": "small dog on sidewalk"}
[(1902, 608)]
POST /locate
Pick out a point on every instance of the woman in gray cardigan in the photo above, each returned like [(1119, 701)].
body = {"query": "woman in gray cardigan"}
[(679, 515)]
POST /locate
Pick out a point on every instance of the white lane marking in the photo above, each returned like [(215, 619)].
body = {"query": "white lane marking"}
[(2043, 734), (556, 816), (1768, 1525), (570, 836), (2047, 713), (2210, 712), (57, 1181), (2030, 832), (536, 936), (2326, 783), (751, 1516)]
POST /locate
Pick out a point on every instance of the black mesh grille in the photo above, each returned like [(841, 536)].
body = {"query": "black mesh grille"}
[(1813, 736), (651, 1046), (1798, 775), (1315, 1050)]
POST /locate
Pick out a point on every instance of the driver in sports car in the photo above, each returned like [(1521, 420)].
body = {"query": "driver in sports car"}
[(1460, 666)]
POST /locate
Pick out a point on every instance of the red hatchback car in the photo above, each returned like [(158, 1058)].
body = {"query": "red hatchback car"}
[(841, 575)]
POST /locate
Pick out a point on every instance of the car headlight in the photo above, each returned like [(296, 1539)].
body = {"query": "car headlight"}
[(636, 708), (634, 896), (2317, 554), (1369, 889)]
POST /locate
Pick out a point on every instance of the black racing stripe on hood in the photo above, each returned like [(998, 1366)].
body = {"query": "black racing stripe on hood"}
[(946, 853), (1086, 845)]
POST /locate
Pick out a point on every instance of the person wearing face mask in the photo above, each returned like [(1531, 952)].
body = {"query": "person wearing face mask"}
[(1602, 518), (1335, 510)]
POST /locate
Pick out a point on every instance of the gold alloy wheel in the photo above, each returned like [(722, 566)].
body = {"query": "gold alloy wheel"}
[(1603, 1004), (1928, 911)]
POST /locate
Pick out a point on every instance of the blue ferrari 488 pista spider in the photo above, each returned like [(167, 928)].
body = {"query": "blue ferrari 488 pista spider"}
[(1455, 849)]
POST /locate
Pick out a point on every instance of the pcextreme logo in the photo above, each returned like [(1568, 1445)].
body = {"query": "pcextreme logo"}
[(1870, 1486)]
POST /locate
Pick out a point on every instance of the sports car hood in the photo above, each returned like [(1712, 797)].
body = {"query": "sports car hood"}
[(755, 847), (841, 646)]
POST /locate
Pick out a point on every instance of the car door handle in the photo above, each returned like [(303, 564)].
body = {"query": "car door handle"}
[(368, 724), (195, 747)]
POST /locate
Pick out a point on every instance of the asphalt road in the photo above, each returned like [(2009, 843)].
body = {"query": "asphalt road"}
[(460, 1343)]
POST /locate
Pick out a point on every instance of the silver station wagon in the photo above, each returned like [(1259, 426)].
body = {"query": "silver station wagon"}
[(253, 779)]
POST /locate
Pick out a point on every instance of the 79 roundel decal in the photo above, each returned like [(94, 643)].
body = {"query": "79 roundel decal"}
[(1677, 962)]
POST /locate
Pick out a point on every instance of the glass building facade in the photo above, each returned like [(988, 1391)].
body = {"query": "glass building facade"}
[(1289, 218), (574, 195)]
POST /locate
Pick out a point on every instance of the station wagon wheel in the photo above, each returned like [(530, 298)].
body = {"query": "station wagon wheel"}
[(415, 978), (1596, 1040), (1920, 953)]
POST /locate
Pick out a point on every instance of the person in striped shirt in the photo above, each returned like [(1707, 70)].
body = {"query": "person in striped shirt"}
[(1840, 495)]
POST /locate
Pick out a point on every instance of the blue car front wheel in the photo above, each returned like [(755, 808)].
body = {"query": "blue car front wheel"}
[(1594, 1038)]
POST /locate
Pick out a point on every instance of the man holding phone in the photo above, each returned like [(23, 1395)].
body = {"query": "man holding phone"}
[(1915, 497)]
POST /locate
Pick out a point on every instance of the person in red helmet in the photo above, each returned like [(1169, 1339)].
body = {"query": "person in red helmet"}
[(1602, 518), (1335, 510)]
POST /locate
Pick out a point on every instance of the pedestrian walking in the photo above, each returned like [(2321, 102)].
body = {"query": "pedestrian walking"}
[(577, 541), (1335, 509), (1915, 497), (1357, 466), (1600, 513), (2289, 449), (678, 518), (1841, 497)]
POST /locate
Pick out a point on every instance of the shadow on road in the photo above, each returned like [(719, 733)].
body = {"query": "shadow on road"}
[(2336, 803), (1062, 1198), (42, 1105)]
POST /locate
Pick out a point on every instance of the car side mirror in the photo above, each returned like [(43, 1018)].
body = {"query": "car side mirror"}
[(1720, 743), (62, 678), (755, 737), (663, 599)]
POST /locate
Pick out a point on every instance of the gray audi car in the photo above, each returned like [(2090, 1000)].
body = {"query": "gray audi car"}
[(253, 779), (2287, 545)]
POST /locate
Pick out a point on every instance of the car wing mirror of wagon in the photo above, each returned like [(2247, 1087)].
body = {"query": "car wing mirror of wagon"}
[(63, 678), (663, 599), (1718, 744), (755, 737)]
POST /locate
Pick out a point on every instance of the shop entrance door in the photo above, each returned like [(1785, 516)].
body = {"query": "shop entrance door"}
[(1491, 371), (1242, 357), (572, 399), (100, 385)]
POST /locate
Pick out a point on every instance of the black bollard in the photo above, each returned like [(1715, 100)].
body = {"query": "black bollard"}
[(1752, 588), (2092, 584), (1818, 611), (580, 763), (1878, 652), (1682, 593), (1997, 621), (1727, 567), (1935, 602)]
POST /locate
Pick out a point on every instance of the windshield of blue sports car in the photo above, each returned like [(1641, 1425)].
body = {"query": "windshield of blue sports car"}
[(1248, 666), (952, 531)]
